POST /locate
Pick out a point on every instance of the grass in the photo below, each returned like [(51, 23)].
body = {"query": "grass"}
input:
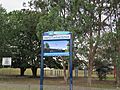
[(10, 80), (18, 87)]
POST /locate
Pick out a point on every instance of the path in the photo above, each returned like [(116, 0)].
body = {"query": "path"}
[(6, 86)]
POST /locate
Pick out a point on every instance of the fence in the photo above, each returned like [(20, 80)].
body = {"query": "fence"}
[(47, 72)]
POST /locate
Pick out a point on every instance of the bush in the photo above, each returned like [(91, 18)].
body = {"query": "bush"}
[(102, 72)]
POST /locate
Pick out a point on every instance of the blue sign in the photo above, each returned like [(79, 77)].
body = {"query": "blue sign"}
[(56, 43)]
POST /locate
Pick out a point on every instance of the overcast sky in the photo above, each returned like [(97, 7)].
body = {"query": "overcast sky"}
[(11, 5)]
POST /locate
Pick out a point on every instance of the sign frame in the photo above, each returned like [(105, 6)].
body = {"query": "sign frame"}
[(6, 61), (56, 36)]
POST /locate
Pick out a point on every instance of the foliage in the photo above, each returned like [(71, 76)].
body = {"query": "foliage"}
[(94, 24), (24, 40), (3, 33), (102, 68)]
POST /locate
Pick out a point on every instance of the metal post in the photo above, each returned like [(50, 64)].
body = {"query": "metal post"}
[(71, 78), (41, 66), (85, 72), (76, 71)]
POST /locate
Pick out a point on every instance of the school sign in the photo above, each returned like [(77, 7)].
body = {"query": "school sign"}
[(56, 43)]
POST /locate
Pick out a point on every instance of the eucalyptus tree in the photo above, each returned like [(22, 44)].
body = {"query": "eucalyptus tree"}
[(113, 39), (109, 48), (117, 35), (89, 20), (97, 21), (63, 15), (52, 18)]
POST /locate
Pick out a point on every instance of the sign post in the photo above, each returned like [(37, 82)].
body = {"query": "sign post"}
[(41, 66), (56, 43), (71, 54)]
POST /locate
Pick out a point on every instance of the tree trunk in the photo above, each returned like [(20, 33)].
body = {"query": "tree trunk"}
[(34, 71), (118, 41), (118, 75), (22, 70), (90, 58), (90, 68), (118, 78), (68, 72), (64, 70), (118, 65)]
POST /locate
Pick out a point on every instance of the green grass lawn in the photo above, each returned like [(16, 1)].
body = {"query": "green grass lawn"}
[(47, 73), (10, 79), (55, 72)]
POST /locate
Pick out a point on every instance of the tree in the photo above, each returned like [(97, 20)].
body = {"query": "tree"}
[(111, 38), (95, 28), (88, 20), (103, 67), (63, 15), (4, 33), (24, 39)]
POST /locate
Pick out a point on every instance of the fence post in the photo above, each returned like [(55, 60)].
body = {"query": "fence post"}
[(28, 87)]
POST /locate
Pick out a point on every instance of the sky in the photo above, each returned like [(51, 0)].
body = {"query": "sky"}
[(57, 44), (11, 5)]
